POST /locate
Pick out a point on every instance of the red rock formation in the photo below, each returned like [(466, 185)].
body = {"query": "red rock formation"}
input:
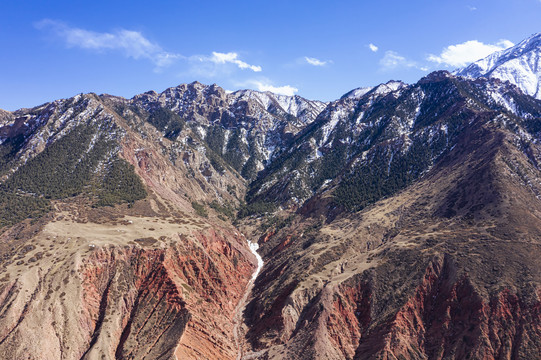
[(163, 291), (446, 317), (154, 314), (283, 245), (131, 302), (267, 236)]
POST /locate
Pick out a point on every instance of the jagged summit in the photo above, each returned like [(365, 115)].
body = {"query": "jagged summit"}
[(389, 86), (188, 98), (520, 65), (247, 125), (435, 76)]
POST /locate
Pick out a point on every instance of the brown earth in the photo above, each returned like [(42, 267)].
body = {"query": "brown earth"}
[(447, 269), (91, 290), (147, 280)]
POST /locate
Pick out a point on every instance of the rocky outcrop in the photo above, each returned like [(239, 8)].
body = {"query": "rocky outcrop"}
[(135, 283), (129, 302), (444, 318), (246, 128)]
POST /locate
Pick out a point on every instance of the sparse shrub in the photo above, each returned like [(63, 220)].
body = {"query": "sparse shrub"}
[(200, 209)]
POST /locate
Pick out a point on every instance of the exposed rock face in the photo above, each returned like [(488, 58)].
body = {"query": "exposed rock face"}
[(125, 301), (444, 318), (155, 314), (245, 127)]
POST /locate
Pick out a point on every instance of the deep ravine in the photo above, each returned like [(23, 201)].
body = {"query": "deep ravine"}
[(239, 318)]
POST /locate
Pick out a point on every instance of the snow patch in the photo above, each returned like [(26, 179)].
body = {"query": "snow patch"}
[(254, 246)]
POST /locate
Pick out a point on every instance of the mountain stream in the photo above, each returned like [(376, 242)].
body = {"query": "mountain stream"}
[(239, 318)]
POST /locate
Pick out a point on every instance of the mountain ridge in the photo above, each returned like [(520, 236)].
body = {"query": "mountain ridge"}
[(399, 221), (520, 65)]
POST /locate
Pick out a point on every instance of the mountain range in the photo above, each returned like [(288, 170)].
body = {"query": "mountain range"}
[(401, 221)]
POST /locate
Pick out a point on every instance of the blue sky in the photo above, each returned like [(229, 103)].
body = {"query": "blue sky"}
[(316, 49)]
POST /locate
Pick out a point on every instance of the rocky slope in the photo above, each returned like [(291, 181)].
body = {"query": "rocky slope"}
[(372, 146), (447, 268), (397, 222), (520, 65), (245, 127), (121, 255)]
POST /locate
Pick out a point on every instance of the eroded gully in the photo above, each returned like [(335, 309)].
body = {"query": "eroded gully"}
[(238, 320)]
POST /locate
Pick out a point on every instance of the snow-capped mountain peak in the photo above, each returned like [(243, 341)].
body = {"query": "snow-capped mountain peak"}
[(520, 65), (357, 93), (381, 89)]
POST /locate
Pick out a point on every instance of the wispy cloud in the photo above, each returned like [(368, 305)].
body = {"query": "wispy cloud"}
[(316, 62), (462, 54), (266, 85), (373, 47), (131, 43), (217, 64), (392, 60), (473, 8), (232, 58)]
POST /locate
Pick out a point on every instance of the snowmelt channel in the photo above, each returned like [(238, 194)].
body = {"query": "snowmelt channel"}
[(253, 248)]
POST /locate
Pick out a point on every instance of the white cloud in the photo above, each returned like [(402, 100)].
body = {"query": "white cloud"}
[(472, 8), (132, 43), (462, 54), (392, 60), (233, 58), (316, 62), (283, 90), (373, 47), (266, 86)]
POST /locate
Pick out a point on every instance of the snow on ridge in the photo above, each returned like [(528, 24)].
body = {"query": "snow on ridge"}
[(520, 65), (293, 105), (335, 116), (388, 87), (381, 89), (189, 97), (357, 93)]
